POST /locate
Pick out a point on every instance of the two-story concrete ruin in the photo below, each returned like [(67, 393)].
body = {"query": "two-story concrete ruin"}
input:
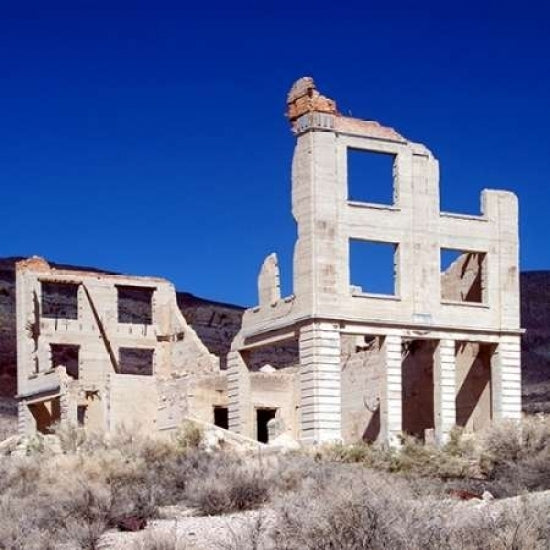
[(336, 360)]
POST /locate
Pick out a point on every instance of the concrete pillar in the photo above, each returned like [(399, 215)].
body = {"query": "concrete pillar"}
[(391, 394), (506, 379), (444, 389), (25, 422), (238, 386), (320, 386)]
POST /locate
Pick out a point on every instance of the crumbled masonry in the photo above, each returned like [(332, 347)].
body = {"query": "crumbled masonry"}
[(331, 362)]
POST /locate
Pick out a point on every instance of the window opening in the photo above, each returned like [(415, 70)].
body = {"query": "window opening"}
[(135, 305), (373, 267), (67, 356), (59, 300), (136, 361), (370, 177)]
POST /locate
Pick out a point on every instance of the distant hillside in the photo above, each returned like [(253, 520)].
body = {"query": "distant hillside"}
[(535, 318)]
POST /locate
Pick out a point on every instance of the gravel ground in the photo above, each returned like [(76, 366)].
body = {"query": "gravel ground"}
[(186, 531)]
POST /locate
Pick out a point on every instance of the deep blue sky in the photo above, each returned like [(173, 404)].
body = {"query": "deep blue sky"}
[(149, 137)]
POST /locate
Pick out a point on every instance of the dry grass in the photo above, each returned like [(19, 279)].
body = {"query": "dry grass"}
[(337, 497)]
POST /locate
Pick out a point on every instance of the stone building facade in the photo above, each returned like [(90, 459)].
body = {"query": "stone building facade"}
[(439, 349)]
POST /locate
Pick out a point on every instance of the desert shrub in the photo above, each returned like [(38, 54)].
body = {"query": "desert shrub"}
[(363, 510), (69, 511), (346, 510), (413, 458), (228, 485), (515, 456), (190, 436)]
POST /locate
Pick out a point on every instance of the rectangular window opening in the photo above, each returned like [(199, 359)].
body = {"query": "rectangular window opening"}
[(65, 355), (59, 300), (136, 361), (135, 305), (273, 357), (374, 267), (371, 177), (463, 276)]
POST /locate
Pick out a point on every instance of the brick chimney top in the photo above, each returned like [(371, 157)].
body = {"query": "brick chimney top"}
[(305, 98)]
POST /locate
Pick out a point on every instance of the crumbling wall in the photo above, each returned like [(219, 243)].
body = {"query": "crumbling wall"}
[(463, 280), (216, 324), (205, 393), (133, 402)]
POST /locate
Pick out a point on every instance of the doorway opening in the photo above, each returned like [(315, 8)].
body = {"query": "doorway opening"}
[(221, 417), (418, 387), (263, 416)]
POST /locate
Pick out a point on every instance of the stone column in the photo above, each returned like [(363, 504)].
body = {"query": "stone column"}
[(391, 392), (444, 389), (25, 423), (320, 405), (238, 386), (506, 379)]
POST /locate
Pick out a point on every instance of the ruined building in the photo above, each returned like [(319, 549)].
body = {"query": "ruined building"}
[(441, 349), (335, 360), (105, 350)]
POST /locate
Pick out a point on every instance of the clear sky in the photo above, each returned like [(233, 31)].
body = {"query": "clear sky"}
[(149, 137)]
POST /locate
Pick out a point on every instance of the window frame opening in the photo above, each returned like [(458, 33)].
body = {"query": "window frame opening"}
[(127, 363), (458, 284), (135, 304), (66, 355), (365, 171), (359, 263), (59, 300)]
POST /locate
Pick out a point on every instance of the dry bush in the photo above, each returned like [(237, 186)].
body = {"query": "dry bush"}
[(516, 456), (413, 458), (364, 510), (47, 500), (68, 510), (342, 508), (229, 485)]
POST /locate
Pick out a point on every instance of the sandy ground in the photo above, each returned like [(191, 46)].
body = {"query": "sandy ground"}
[(190, 532)]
